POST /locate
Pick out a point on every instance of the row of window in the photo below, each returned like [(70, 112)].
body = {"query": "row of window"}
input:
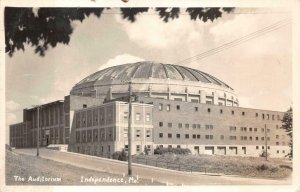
[(187, 136), (187, 126), (138, 116), (138, 133), (264, 116), (222, 137)]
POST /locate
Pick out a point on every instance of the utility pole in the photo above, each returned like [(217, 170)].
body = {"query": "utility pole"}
[(266, 142), (129, 130), (38, 132)]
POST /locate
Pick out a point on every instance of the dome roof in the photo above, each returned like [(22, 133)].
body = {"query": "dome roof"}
[(146, 70)]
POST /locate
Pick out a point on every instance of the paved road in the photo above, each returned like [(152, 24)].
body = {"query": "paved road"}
[(171, 177)]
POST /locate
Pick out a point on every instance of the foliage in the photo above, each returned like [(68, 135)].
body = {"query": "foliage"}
[(146, 150), (264, 153), (179, 151), (50, 26), (287, 124), (120, 155)]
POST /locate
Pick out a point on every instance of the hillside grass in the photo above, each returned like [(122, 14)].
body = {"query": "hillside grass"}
[(256, 167), (26, 165)]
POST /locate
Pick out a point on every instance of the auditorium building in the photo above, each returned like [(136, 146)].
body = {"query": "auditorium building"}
[(175, 107)]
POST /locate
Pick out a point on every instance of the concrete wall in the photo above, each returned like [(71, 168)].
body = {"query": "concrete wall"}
[(216, 124)]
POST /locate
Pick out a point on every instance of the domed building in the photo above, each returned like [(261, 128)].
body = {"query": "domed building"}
[(157, 80), (176, 107)]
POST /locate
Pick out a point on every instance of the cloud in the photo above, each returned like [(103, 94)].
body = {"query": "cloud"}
[(12, 105), (152, 32), (119, 60)]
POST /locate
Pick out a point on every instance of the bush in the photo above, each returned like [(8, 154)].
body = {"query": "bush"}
[(263, 154), (178, 151), (262, 167), (120, 155)]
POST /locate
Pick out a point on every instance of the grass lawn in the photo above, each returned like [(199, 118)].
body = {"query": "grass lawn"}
[(26, 166), (256, 167)]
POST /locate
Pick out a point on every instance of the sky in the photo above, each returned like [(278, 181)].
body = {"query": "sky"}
[(259, 70)]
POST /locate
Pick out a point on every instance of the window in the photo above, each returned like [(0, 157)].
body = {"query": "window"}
[(263, 116), (137, 116), (243, 113), (256, 114), (211, 127), (198, 126), (221, 111), (169, 146), (179, 125), (187, 126), (169, 135), (222, 137), (194, 100), (257, 147), (161, 135), (255, 129), (187, 136), (232, 128), (177, 135), (245, 137), (168, 107), (206, 136), (232, 137), (273, 117), (268, 130), (232, 112), (169, 125), (194, 136), (263, 147), (178, 107), (198, 136), (211, 137), (262, 130), (268, 147), (250, 138), (208, 110), (245, 128), (268, 116), (148, 117), (84, 106), (178, 146), (148, 132), (277, 136), (138, 148), (262, 138), (160, 107), (256, 138), (277, 151), (242, 138), (277, 143), (125, 115), (161, 124), (283, 151), (196, 108), (194, 126)]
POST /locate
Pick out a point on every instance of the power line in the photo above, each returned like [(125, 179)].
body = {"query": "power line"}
[(236, 42)]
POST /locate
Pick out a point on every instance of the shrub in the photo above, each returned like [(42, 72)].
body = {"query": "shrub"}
[(262, 167), (264, 153), (120, 155), (178, 151)]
